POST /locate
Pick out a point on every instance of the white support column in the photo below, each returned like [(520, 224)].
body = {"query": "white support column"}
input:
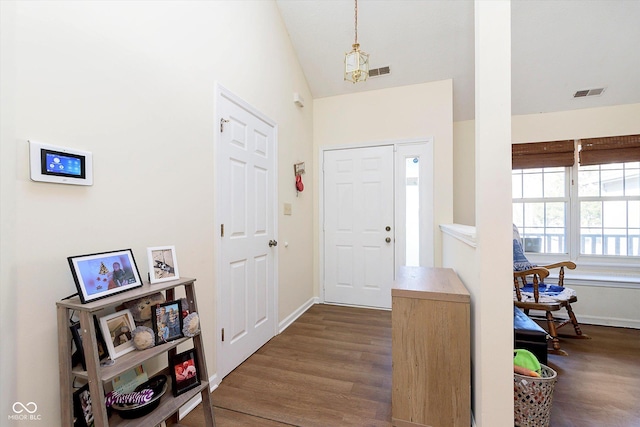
[(493, 312)]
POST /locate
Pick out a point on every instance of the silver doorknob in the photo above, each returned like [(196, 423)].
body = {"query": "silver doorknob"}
[(273, 243), (388, 240)]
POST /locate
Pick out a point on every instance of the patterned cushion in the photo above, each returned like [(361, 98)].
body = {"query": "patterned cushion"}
[(516, 233), (548, 293), (520, 261)]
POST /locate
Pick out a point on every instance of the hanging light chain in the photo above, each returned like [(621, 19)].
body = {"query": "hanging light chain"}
[(356, 13)]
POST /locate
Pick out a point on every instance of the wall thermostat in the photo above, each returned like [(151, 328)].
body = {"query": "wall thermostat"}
[(60, 165)]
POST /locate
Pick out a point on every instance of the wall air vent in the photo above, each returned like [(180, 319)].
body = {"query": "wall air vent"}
[(588, 92), (377, 72)]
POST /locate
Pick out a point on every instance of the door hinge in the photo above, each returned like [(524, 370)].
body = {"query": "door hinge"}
[(221, 230), (222, 334), (222, 122)]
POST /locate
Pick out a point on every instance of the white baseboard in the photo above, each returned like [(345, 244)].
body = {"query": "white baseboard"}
[(597, 320), (193, 403), (189, 406), (609, 321), (213, 382), (297, 313)]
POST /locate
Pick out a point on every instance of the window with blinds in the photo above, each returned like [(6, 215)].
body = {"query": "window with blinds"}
[(606, 221)]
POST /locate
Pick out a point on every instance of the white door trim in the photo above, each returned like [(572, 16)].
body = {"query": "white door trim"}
[(428, 240), (220, 92)]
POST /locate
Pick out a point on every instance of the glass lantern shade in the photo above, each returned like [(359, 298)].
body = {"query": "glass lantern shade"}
[(356, 65)]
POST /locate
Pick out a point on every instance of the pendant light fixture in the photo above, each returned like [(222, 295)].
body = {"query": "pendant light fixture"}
[(356, 62)]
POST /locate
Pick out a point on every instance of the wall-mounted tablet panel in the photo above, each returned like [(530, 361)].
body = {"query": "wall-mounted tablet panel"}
[(60, 165)]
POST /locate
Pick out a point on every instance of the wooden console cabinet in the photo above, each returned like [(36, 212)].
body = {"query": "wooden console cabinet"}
[(97, 375), (430, 349)]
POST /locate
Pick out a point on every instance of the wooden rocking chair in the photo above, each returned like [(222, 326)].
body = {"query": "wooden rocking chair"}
[(544, 296), (547, 304)]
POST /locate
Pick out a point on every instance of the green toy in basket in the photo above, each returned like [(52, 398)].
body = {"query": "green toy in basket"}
[(526, 363)]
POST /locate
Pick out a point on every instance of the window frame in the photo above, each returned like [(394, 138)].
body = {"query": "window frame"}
[(617, 265), (567, 214), (618, 261)]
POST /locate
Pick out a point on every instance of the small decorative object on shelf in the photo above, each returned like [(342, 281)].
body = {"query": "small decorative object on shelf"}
[(103, 274), (163, 264), (167, 321), (143, 337), (140, 402), (142, 308), (191, 325), (184, 371)]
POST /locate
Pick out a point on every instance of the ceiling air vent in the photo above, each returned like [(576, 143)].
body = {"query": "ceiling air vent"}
[(588, 92), (377, 72)]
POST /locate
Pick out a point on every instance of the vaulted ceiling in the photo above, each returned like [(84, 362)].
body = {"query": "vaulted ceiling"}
[(559, 47)]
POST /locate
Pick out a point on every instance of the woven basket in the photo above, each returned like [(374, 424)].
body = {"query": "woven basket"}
[(533, 397)]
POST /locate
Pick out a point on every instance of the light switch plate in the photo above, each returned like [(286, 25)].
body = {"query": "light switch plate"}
[(287, 208)]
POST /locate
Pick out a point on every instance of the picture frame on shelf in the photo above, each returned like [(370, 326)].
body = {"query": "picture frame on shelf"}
[(76, 333), (167, 321), (82, 409), (104, 274), (116, 329), (184, 371), (78, 355), (163, 264)]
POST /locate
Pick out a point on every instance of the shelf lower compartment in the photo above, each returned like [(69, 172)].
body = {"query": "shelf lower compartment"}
[(131, 360), (169, 405)]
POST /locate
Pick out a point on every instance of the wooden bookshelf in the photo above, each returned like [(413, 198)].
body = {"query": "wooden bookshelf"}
[(97, 375)]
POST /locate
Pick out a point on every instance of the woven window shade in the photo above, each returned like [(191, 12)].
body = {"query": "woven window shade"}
[(615, 149), (542, 154)]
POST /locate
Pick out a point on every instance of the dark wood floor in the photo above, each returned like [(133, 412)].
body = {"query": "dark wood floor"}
[(599, 382), (332, 367)]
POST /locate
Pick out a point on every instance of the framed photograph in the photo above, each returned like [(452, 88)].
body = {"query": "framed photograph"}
[(163, 264), (104, 274), (117, 328), (76, 333), (82, 409), (166, 320), (184, 371)]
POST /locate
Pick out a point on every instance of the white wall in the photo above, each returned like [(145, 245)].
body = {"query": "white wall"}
[(464, 172), (133, 82), (579, 123), (459, 253), (8, 292), (401, 113)]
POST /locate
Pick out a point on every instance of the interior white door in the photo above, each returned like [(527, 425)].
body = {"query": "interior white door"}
[(246, 174), (358, 226)]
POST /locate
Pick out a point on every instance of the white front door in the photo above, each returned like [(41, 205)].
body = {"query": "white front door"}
[(246, 185), (358, 226)]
